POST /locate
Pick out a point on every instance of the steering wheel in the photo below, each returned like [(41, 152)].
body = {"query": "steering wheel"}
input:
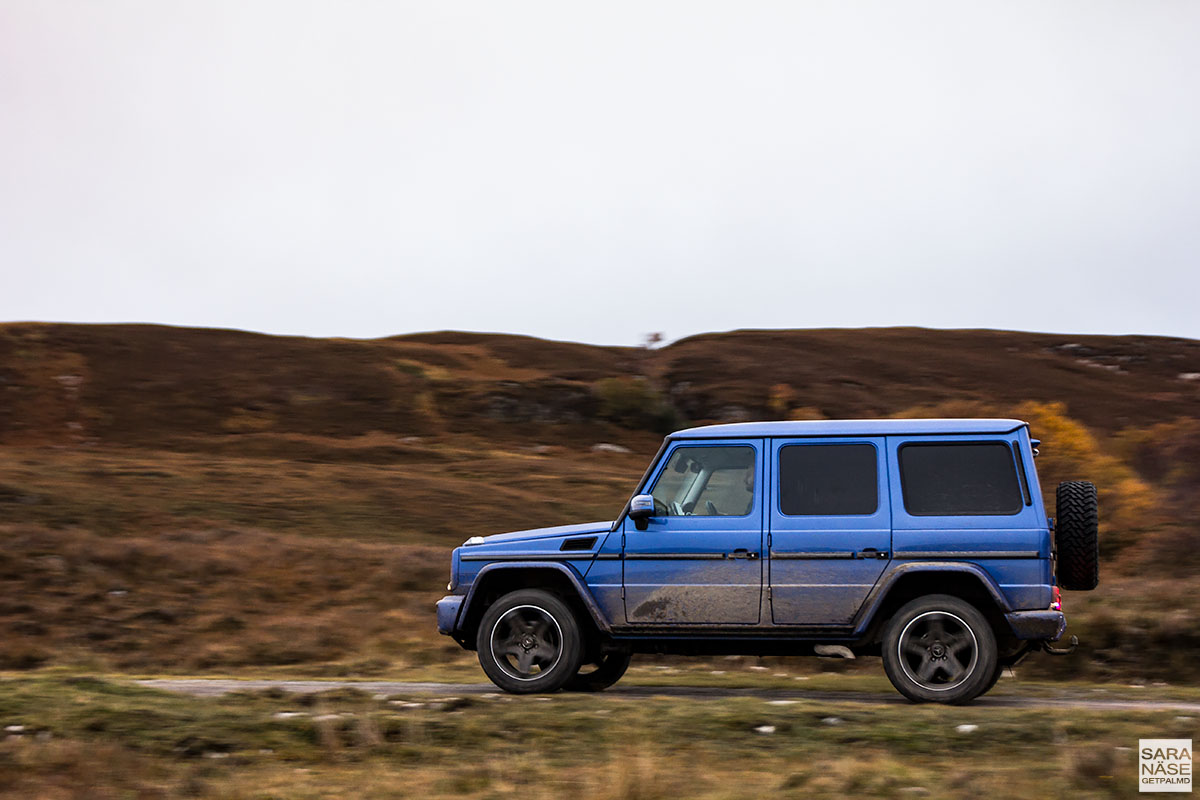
[(711, 509), (660, 508)]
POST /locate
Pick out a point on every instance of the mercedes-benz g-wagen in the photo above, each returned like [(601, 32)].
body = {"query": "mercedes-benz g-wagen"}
[(923, 541)]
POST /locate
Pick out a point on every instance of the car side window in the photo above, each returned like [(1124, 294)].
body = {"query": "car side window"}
[(710, 481), (828, 480), (959, 479)]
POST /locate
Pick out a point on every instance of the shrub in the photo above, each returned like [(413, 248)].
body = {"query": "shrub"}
[(634, 403), (1128, 505)]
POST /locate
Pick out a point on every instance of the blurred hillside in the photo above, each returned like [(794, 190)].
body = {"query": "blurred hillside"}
[(153, 385), (191, 499)]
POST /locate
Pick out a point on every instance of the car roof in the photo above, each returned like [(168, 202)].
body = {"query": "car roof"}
[(849, 427)]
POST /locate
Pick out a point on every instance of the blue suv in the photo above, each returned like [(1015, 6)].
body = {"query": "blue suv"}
[(921, 541)]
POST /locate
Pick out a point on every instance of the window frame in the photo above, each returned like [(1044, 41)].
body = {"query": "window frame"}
[(1022, 476), (670, 454), (1020, 506)]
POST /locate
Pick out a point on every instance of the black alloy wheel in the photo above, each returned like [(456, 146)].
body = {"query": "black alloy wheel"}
[(528, 641), (940, 649)]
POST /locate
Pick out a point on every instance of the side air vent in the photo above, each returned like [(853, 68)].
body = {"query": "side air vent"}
[(585, 543)]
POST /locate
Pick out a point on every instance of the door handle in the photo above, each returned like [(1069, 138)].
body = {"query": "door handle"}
[(871, 552), (742, 552)]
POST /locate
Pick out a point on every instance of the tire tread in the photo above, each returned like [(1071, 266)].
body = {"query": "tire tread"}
[(1077, 536)]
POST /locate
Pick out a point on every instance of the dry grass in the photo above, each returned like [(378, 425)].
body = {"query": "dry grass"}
[(124, 558), (212, 500), (205, 599), (85, 738), (433, 494)]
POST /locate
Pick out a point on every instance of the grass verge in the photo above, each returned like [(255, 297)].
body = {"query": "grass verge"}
[(88, 737)]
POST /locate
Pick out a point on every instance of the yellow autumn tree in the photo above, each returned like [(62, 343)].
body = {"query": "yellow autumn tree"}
[(1128, 505)]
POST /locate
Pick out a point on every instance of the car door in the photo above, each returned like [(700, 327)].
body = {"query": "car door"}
[(829, 527), (699, 560)]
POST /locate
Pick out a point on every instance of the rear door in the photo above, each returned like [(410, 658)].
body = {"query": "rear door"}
[(830, 530), (699, 560)]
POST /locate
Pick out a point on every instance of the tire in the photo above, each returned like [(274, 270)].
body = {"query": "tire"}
[(608, 671), (992, 681), (1076, 535), (939, 649), (1005, 661), (529, 641)]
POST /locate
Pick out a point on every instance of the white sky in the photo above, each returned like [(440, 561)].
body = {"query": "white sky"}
[(599, 171)]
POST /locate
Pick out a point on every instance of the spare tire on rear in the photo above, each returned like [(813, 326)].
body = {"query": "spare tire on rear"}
[(1077, 535)]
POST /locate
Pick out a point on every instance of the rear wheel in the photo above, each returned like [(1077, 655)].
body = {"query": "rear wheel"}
[(528, 641), (940, 649), (601, 674), (1009, 658), (992, 682)]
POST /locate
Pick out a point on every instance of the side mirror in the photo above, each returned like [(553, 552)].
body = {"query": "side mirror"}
[(641, 509)]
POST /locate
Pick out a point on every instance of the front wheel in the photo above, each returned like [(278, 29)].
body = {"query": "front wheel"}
[(528, 641), (939, 649), (608, 670)]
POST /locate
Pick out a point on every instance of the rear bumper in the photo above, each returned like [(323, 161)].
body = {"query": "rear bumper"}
[(1045, 625), (447, 613)]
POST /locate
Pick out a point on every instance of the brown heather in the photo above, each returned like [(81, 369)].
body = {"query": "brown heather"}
[(179, 501), (186, 500)]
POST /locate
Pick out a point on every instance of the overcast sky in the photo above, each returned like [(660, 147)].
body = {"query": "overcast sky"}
[(599, 171)]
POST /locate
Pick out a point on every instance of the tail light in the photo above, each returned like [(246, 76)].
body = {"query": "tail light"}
[(1055, 599)]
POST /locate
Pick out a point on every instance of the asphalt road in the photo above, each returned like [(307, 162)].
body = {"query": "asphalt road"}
[(213, 688)]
